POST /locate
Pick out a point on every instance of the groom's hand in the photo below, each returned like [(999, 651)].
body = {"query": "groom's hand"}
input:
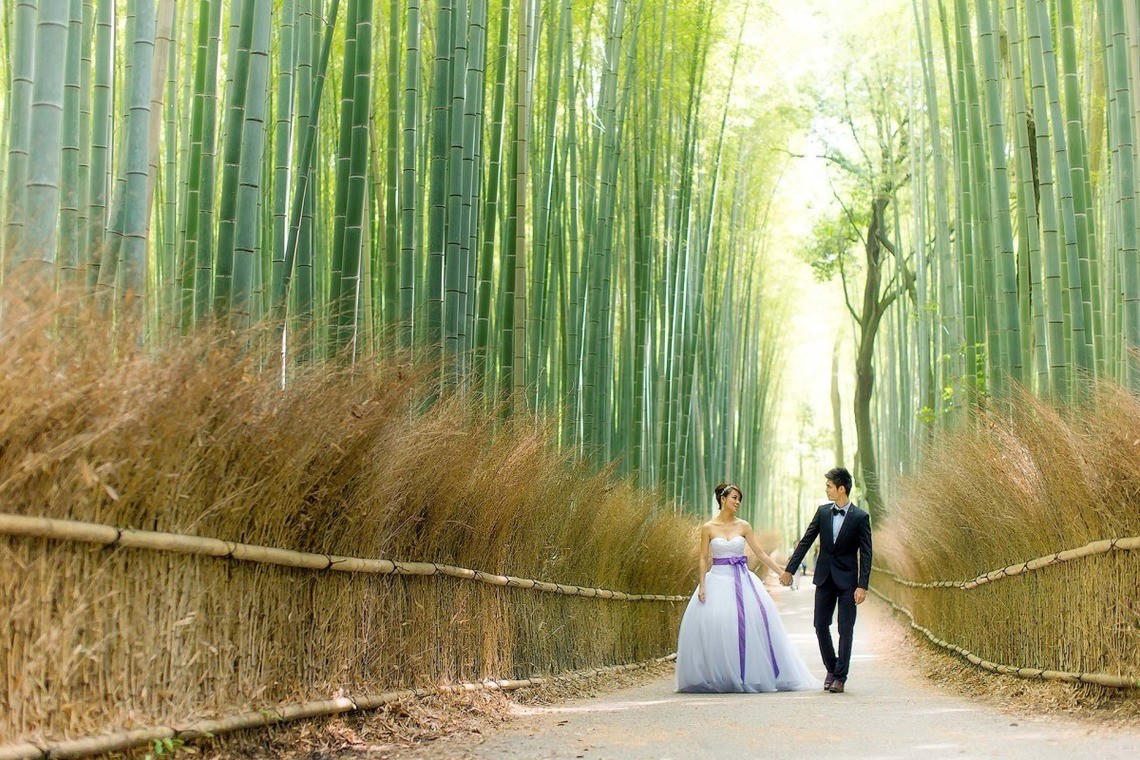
[(860, 595), (786, 578)]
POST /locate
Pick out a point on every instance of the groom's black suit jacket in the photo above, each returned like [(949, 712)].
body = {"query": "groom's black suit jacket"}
[(846, 558)]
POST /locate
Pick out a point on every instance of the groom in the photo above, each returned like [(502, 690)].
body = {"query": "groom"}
[(842, 572)]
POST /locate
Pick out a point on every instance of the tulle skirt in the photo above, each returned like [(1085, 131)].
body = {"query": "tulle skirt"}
[(710, 640)]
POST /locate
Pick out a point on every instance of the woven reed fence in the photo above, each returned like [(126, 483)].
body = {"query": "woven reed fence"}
[(109, 535), (1071, 616), (115, 637), (260, 718)]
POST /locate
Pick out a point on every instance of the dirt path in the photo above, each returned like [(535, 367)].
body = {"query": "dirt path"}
[(887, 712)]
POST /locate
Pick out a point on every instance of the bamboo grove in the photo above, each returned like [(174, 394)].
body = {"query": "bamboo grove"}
[(1040, 142), (1001, 188), (544, 198)]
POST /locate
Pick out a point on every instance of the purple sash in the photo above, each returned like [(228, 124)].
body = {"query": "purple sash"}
[(741, 571)]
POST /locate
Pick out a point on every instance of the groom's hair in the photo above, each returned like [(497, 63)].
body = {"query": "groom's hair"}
[(841, 478)]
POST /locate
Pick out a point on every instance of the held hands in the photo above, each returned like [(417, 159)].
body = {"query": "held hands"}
[(860, 595), (786, 578)]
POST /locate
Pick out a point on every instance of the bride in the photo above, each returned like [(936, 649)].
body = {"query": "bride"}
[(731, 636)]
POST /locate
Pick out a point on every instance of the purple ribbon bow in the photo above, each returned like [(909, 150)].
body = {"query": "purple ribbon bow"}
[(741, 571)]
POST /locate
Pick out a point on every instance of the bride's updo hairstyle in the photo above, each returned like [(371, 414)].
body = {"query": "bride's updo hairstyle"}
[(722, 490)]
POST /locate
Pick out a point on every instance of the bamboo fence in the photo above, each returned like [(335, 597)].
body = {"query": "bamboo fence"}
[(1098, 679), (118, 742), (108, 535), (1086, 615), (1009, 571), (110, 632)]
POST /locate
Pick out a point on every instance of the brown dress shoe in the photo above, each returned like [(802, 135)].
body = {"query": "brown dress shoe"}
[(836, 687), (830, 679)]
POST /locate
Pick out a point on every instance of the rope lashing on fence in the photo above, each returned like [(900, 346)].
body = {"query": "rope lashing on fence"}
[(1096, 547), (94, 745), (1099, 679), (109, 535)]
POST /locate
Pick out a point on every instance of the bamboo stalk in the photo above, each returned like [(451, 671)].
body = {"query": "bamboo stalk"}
[(93, 745), (108, 535), (1103, 546), (1099, 679)]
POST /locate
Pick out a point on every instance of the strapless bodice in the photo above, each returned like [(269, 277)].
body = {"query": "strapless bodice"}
[(727, 547)]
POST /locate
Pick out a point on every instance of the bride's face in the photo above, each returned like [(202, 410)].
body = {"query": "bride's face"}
[(731, 501)]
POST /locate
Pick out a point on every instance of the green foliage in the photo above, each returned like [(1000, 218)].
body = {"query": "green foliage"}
[(831, 245), (164, 748)]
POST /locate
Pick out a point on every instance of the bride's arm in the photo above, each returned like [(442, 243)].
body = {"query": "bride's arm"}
[(761, 555), (703, 554)]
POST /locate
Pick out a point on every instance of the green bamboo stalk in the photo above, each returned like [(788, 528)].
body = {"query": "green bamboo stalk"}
[(1124, 169), (1009, 317), (19, 126), (339, 300), (286, 94), (100, 178), (573, 318), (297, 243), (596, 383), (482, 347), (948, 316), (1081, 188), (45, 166), (247, 235), (674, 295), (300, 242), (157, 242), (981, 196), (646, 253), (1077, 290), (197, 262), (1056, 327), (124, 264), (181, 112), (173, 141), (236, 103), (86, 100), (69, 222), (540, 292), (1029, 232), (516, 317), (408, 195), (392, 172), (473, 170), (437, 181), (694, 267), (455, 258), (352, 289)]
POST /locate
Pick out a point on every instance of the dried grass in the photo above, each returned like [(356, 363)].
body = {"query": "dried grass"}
[(197, 437), (396, 729), (1016, 486)]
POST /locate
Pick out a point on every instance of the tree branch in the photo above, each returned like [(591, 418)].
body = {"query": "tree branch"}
[(846, 295)]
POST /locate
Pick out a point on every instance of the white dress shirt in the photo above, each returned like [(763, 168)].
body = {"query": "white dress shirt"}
[(837, 520)]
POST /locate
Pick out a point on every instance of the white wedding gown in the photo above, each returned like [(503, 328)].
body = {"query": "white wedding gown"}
[(735, 640)]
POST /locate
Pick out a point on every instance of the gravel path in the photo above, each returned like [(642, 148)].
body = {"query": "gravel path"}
[(887, 712)]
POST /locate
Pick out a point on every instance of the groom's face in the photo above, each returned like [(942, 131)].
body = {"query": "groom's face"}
[(832, 491)]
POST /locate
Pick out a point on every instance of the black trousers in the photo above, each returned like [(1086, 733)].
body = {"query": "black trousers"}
[(827, 596)]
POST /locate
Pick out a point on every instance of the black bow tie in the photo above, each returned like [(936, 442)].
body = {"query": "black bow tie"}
[(837, 511)]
